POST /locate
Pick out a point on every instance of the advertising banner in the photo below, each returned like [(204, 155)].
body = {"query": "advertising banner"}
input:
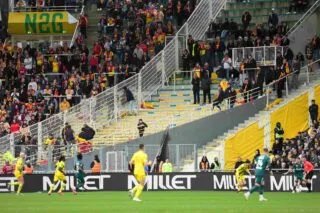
[(217, 181), (41, 23)]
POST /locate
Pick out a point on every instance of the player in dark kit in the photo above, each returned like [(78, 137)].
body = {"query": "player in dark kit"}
[(79, 174), (263, 162), (297, 170), (308, 171)]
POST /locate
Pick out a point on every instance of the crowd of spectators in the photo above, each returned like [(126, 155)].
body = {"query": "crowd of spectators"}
[(228, 35), (305, 143), (298, 6), (132, 33), (312, 50), (39, 82)]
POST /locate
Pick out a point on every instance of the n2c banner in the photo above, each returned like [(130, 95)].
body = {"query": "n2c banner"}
[(217, 181), (41, 23)]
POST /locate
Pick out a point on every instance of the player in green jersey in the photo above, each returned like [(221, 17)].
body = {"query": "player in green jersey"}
[(297, 170), (79, 174), (263, 162)]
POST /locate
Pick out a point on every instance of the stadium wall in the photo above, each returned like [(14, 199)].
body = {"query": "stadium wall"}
[(217, 181), (293, 116), (244, 143), (197, 132)]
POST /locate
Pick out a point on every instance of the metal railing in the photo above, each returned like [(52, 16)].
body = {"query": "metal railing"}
[(107, 107), (290, 82), (26, 8), (113, 158), (264, 56)]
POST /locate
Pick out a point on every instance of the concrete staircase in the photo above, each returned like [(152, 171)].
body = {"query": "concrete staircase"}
[(170, 107), (92, 30)]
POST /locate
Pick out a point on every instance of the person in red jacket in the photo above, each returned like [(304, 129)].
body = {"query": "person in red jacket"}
[(7, 169), (308, 170), (15, 126), (97, 49)]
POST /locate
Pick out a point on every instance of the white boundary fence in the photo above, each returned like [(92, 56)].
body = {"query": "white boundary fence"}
[(108, 106), (264, 56)]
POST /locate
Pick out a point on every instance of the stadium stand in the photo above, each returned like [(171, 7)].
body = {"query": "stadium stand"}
[(167, 102), (63, 71), (269, 15), (73, 63), (257, 132)]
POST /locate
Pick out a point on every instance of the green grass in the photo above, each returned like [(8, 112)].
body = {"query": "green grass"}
[(176, 202)]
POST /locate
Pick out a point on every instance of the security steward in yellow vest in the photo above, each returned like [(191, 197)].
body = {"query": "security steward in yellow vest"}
[(278, 133)]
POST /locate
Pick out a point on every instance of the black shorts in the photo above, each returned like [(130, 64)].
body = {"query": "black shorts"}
[(309, 175)]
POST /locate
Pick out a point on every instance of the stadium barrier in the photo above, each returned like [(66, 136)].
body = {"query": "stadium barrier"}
[(113, 158), (105, 108), (217, 181), (291, 82), (264, 56)]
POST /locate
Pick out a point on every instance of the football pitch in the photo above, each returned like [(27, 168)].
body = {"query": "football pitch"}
[(175, 202)]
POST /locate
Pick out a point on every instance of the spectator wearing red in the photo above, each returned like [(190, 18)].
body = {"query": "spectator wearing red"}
[(97, 49), (308, 170), (15, 126), (94, 61), (7, 169)]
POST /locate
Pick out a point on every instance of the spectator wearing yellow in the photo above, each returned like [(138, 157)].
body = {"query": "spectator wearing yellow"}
[(285, 67), (64, 105), (167, 167), (279, 134), (203, 50), (55, 66), (216, 165), (50, 140), (197, 70), (39, 62), (149, 17)]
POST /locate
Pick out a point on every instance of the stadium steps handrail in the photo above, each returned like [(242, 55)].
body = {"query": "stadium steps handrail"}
[(303, 18)]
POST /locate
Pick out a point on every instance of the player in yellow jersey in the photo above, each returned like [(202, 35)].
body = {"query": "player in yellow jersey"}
[(18, 173), (138, 162), (240, 172), (59, 175)]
